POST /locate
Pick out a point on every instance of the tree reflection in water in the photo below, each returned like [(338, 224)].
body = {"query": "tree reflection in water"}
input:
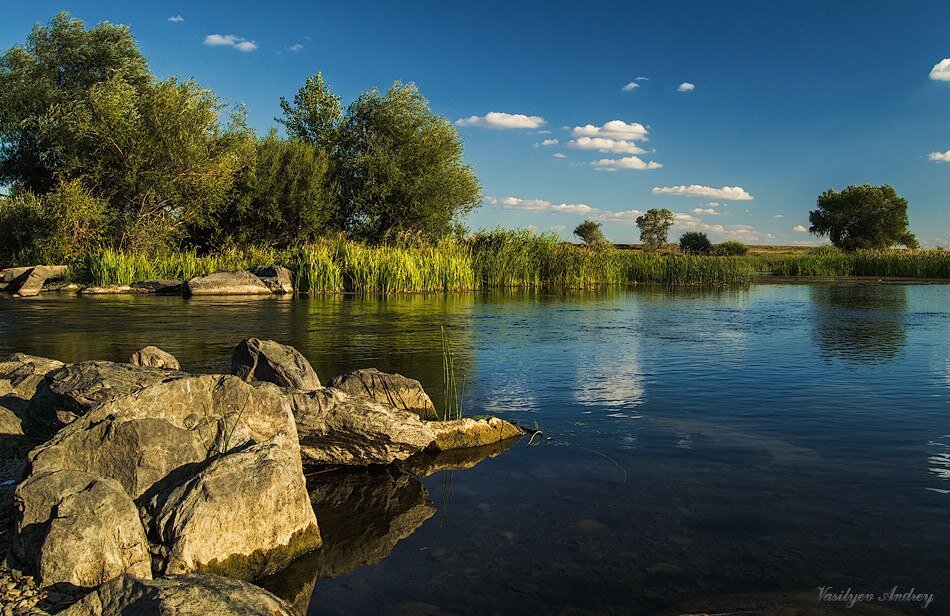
[(863, 323)]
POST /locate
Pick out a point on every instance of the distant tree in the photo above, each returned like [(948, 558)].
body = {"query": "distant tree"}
[(862, 217), (695, 243), (590, 232), (731, 248), (654, 226)]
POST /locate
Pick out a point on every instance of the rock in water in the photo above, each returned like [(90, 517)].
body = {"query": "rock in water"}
[(394, 390), (227, 283), (278, 279), (26, 402), (162, 286), (78, 529), (88, 384), (339, 429), (154, 357), (467, 432), (182, 595), (266, 360)]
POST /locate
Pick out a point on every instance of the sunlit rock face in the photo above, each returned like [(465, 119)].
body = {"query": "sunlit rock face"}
[(26, 402), (393, 390), (265, 360)]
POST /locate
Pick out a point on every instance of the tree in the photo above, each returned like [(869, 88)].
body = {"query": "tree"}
[(862, 217), (315, 114), (695, 243), (731, 248), (654, 226), (590, 232)]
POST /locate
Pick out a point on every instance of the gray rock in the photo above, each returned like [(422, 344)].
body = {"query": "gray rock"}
[(110, 289), (32, 284), (26, 402), (272, 362), (154, 357), (28, 281), (86, 385), (278, 279), (394, 390), (78, 529), (227, 283), (182, 595), (468, 432), (161, 287)]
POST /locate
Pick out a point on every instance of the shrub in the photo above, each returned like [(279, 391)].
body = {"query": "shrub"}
[(731, 248), (695, 243)]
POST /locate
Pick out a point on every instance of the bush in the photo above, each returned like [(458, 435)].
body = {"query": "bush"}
[(695, 243), (590, 232), (731, 248)]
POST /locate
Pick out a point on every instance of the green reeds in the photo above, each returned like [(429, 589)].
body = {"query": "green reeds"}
[(452, 393)]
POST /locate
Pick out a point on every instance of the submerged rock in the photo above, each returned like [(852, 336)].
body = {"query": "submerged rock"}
[(154, 357), (227, 283), (78, 529), (183, 595), (265, 360), (394, 390), (430, 462), (468, 432)]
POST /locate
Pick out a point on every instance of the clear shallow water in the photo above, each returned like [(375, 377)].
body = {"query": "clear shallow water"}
[(703, 443)]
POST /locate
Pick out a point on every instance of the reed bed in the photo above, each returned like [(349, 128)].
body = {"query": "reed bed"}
[(881, 263)]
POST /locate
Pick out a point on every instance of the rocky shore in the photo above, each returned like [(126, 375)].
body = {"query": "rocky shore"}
[(137, 486)]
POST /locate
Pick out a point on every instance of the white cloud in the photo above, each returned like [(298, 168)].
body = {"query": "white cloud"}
[(515, 203), (559, 155), (686, 87), (627, 162), (295, 47), (601, 144), (633, 85), (499, 120), (642, 79), (176, 18), (706, 210), (727, 193), (615, 129), (941, 70), (542, 205), (230, 40), (941, 157), (688, 222), (573, 208), (713, 204), (547, 142), (800, 229), (626, 216), (779, 216)]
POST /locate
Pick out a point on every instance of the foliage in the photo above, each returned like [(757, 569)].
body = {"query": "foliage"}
[(315, 114), (730, 248), (695, 243), (862, 217), (590, 232), (654, 226)]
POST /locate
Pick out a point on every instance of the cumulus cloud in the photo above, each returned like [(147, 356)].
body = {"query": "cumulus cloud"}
[(602, 144), (940, 157), (706, 210), (800, 229), (499, 120), (627, 162), (295, 47), (542, 205), (615, 129), (176, 18), (642, 79), (687, 222), (547, 142), (626, 216), (559, 155), (941, 70), (633, 85), (726, 193), (230, 40), (779, 216), (686, 87)]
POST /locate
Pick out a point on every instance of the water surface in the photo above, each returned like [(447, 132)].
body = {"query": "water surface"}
[(702, 443)]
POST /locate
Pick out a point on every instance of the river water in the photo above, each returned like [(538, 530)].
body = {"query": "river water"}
[(702, 447)]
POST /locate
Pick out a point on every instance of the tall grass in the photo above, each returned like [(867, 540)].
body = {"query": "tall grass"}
[(452, 392), (827, 261)]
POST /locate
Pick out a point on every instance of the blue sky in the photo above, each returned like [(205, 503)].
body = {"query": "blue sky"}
[(788, 99)]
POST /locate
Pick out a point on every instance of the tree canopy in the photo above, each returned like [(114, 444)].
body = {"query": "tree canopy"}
[(654, 226), (695, 243), (591, 232), (862, 217)]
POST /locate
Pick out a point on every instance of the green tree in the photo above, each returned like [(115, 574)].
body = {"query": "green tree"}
[(862, 217), (695, 243), (654, 226), (590, 232), (315, 114), (731, 248)]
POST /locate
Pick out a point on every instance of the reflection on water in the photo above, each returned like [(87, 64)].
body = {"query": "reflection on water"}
[(704, 443), (860, 323)]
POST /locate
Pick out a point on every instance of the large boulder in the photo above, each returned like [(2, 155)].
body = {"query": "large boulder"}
[(227, 283), (140, 437), (394, 390), (26, 402), (154, 357), (86, 385), (266, 360), (29, 281), (245, 514), (278, 279), (336, 428), (78, 530), (468, 432), (182, 595)]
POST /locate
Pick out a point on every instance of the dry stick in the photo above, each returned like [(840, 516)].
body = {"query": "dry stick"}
[(531, 440)]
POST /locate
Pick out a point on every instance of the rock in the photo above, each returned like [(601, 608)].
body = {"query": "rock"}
[(161, 287), (278, 279), (78, 529), (110, 289), (15, 274), (245, 514), (61, 287), (338, 429), (88, 384), (393, 390), (32, 284), (468, 432), (266, 360), (154, 357), (430, 462), (227, 283), (28, 281), (25, 396), (170, 425), (182, 595)]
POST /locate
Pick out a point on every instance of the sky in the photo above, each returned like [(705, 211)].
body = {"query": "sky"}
[(734, 115)]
